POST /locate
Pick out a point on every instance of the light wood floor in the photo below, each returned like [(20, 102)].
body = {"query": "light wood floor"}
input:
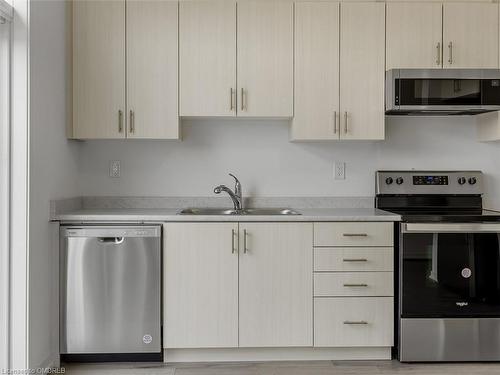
[(288, 368)]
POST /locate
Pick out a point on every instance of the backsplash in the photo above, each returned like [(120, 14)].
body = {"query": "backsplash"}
[(268, 165)]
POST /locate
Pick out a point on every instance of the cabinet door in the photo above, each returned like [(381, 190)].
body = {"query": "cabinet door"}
[(362, 70), (200, 275), (99, 69), (152, 69), (275, 284), (414, 35), (265, 59), (470, 35), (207, 31), (316, 68)]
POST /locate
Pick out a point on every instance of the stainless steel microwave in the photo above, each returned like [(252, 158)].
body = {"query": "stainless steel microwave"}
[(442, 92)]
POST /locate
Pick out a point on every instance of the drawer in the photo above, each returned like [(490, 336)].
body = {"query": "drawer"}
[(354, 234), (353, 284), (352, 322), (354, 259)]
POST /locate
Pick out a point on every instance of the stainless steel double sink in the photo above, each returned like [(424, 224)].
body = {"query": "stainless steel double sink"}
[(245, 211)]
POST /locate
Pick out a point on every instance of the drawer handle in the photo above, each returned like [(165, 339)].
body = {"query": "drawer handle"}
[(356, 285), (360, 322), (355, 235), (355, 260)]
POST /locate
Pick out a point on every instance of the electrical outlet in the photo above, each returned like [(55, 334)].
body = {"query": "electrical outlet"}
[(114, 168), (339, 171)]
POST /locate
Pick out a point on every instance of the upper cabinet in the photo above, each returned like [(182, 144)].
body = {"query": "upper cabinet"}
[(207, 53), (470, 35), (317, 41), (449, 35), (362, 77), (125, 69), (265, 59), (99, 69), (219, 38), (140, 65), (339, 91), (414, 35), (152, 45)]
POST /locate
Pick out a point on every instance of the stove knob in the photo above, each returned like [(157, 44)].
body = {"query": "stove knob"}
[(462, 180), (399, 180), (472, 180), (389, 180)]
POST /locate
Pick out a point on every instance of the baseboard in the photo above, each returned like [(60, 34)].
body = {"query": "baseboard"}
[(51, 362), (275, 354)]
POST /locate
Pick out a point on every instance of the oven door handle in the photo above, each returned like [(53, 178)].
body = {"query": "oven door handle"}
[(450, 228)]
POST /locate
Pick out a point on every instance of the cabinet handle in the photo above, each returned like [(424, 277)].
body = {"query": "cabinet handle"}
[(438, 58), (243, 106), (356, 285), (245, 235), (231, 93), (132, 121), (120, 121), (360, 322), (355, 260), (450, 48), (346, 126), (334, 122), (233, 234), (355, 235)]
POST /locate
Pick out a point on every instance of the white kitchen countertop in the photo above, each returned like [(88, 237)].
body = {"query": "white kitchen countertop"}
[(165, 214)]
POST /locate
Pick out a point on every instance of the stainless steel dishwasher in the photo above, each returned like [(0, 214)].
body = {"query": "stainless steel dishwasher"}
[(110, 293)]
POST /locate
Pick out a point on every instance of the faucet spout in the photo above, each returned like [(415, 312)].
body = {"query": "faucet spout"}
[(236, 196)]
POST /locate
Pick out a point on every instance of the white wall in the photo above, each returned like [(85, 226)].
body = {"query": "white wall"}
[(259, 153), (53, 171)]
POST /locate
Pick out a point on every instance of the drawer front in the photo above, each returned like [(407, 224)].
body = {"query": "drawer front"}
[(354, 234), (348, 322), (354, 284), (347, 259)]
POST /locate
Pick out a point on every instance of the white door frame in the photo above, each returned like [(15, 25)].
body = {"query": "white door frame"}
[(19, 219), (5, 41)]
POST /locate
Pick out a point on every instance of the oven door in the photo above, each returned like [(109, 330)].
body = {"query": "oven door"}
[(449, 270)]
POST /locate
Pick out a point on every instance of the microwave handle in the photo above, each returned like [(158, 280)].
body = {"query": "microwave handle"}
[(451, 228)]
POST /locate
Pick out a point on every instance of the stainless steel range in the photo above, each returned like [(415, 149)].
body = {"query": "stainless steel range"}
[(449, 265)]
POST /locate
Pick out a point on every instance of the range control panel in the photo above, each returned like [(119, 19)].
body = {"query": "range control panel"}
[(429, 182)]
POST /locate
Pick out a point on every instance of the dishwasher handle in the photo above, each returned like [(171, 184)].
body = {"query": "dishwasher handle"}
[(111, 240)]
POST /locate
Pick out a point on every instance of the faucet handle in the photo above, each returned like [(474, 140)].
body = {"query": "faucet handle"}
[(237, 185)]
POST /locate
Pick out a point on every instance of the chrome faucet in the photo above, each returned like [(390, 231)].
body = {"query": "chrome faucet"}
[(236, 196)]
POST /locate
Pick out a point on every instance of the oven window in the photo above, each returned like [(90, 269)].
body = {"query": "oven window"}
[(450, 275), (444, 92)]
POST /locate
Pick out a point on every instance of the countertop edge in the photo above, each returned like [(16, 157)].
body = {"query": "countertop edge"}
[(375, 216)]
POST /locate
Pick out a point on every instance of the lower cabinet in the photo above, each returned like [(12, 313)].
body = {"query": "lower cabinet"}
[(275, 284), (353, 284), (200, 285), (349, 321), (262, 285), (225, 278)]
